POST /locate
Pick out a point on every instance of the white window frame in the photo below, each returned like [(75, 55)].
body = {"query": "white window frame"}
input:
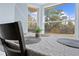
[(76, 22), (76, 18)]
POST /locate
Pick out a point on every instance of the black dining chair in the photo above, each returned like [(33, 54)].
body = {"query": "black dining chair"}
[(12, 32)]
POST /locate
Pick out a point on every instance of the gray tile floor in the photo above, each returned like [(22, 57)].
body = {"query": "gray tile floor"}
[(50, 46)]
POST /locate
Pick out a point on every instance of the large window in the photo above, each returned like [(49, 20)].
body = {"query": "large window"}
[(60, 19), (32, 18)]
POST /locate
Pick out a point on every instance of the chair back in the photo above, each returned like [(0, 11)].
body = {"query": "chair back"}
[(12, 32)]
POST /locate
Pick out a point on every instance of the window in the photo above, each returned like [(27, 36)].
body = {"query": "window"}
[(32, 18), (60, 19)]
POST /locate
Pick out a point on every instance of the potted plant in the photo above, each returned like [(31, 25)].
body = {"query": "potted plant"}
[(37, 30)]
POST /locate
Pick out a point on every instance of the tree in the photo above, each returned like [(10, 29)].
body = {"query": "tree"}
[(53, 15)]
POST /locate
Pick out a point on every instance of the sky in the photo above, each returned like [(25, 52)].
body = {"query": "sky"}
[(68, 8)]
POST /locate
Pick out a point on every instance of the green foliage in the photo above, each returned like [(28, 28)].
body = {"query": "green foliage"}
[(38, 30), (53, 14)]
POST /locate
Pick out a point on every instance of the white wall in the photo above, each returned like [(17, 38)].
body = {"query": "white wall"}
[(77, 21), (41, 19), (7, 13), (21, 11), (12, 12)]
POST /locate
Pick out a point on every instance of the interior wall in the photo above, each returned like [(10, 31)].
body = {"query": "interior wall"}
[(21, 15), (7, 12), (76, 21), (10, 12), (41, 19)]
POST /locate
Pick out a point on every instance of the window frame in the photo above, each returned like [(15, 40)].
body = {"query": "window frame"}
[(75, 34)]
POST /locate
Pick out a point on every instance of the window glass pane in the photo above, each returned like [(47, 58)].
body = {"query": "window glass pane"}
[(32, 19), (60, 19), (60, 27), (53, 27)]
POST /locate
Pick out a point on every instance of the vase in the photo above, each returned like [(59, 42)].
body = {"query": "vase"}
[(37, 35)]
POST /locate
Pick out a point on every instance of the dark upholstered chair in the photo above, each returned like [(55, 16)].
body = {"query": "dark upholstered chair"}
[(12, 32)]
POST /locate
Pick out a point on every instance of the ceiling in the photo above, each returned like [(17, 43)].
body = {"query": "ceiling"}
[(42, 4), (38, 4)]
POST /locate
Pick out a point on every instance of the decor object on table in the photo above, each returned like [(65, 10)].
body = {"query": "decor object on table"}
[(37, 31)]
